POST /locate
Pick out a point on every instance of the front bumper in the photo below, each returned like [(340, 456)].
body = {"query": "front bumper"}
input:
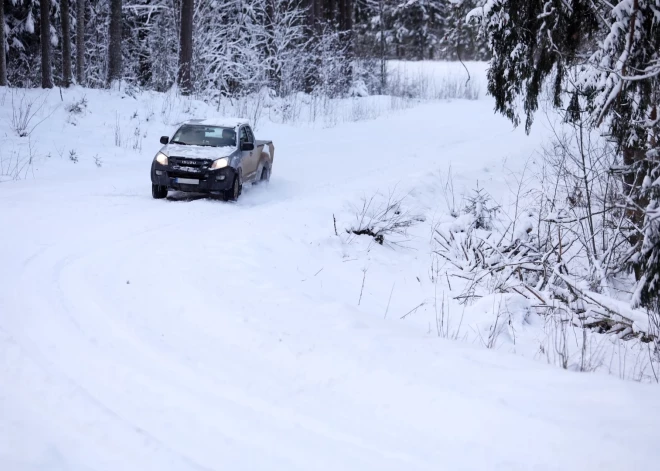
[(210, 181)]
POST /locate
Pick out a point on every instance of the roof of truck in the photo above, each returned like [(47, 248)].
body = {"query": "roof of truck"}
[(223, 122)]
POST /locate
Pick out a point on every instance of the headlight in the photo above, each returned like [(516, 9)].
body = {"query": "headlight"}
[(161, 158), (220, 163)]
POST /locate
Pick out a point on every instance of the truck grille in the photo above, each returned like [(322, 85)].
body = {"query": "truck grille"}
[(190, 163)]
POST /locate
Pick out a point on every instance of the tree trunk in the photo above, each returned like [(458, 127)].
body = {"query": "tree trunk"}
[(331, 11), (273, 75), (46, 73), (345, 15), (66, 44), (80, 42), (114, 49), (383, 63), (317, 15), (311, 14), (3, 52), (634, 159), (186, 47)]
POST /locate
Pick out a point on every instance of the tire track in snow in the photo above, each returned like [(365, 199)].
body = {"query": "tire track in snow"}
[(238, 397)]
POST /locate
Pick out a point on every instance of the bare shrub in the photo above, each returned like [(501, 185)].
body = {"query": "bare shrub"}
[(136, 138), (24, 112), (534, 269), (149, 110), (449, 192), (168, 106), (455, 87), (291, 107), (117, 129), (16, 165), (383, 218), (423, 85), (362, 109), (77, 107)]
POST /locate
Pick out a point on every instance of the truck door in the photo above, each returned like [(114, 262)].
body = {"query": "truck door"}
[(247, 156), (256, 154)]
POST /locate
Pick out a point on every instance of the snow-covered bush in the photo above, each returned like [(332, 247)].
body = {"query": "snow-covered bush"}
[(384, 218), (479, 205)]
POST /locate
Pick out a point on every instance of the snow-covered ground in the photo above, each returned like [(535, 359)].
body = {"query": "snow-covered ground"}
[(191, 333)]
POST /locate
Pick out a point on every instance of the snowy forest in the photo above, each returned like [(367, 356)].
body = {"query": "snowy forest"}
[(230, 47)]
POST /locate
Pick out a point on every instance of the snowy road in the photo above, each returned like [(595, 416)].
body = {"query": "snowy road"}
[(194, 334)]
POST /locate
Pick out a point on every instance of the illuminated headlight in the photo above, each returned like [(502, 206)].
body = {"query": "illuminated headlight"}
[(220, 163), (161, 158)]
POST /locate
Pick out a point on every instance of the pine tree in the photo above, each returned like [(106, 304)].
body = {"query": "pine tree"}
[(80, 42), (66, 43), (418, 27), (462, 39), (96, 37), (3, 57), (46, 70), (115, 45), (648, 289), (186, 47)]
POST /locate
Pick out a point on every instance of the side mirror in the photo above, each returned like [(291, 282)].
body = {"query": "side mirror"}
[(164, 140), (247, 146)]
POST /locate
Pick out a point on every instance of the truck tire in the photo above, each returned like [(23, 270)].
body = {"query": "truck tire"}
[(234, 192), (158, 191), (265, 174)]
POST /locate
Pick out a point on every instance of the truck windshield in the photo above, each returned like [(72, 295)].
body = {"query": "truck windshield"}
[(198, 135)]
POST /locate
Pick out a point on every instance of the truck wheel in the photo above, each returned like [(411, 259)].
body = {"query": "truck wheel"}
[(234, 192), (265, 174), (158, 191)]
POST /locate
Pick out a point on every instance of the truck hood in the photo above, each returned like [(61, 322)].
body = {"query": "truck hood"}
[(197, 152)]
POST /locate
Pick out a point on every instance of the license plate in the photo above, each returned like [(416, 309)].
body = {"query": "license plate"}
[(188, 181)]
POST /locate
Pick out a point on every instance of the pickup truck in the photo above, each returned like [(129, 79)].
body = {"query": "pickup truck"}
[(215, 156)]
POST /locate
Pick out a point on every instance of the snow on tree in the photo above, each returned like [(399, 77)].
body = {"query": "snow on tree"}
[(462, 39), (604, 54), (417, 27), (3, 49)]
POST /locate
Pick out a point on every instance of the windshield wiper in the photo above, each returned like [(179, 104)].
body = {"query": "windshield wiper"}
[(178, 142)]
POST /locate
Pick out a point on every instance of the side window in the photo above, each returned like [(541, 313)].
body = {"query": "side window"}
[(250, 135), (244, 136)]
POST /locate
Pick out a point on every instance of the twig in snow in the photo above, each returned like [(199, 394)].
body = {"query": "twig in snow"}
[(388, 301), (364, 276), (413, 310)]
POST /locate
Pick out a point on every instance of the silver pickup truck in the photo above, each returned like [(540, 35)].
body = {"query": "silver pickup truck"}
[(214, 156)]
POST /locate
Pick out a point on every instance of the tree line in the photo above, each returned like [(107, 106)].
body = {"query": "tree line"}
[(226, 47)]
